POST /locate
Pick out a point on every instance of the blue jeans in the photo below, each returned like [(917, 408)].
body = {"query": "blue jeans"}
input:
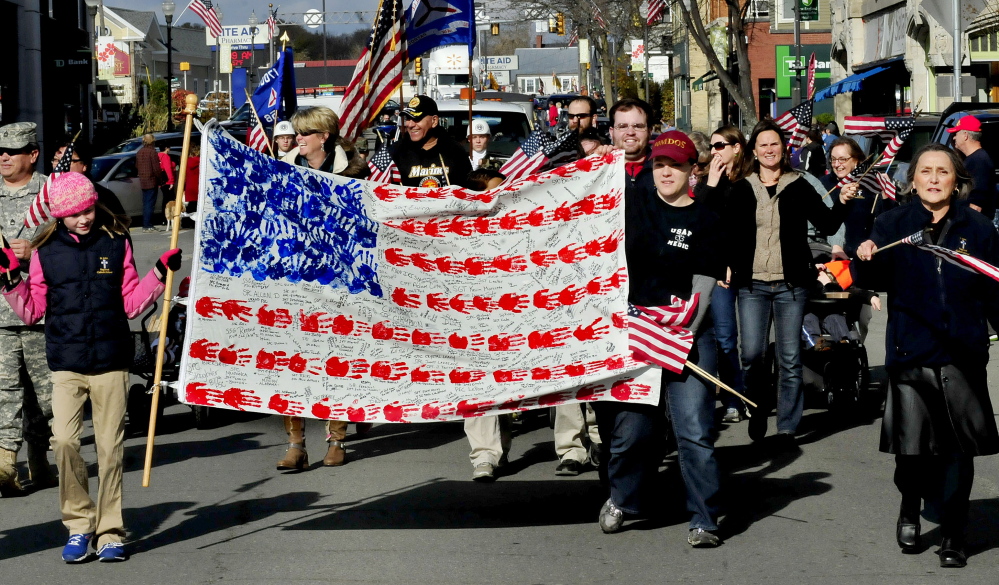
[(787, 307), (148, 206), (634, 434), (727, 337)]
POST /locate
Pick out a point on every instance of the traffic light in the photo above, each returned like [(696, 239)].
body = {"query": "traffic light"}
[(560, 24), (494, 29), (418, 66), (552, 25)]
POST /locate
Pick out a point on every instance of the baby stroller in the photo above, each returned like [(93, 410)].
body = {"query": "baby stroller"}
[(144, 364)]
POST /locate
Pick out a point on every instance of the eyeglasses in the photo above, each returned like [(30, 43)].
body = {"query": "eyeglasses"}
[(586, 115), (721, 145), (635, 127), (841, 160)]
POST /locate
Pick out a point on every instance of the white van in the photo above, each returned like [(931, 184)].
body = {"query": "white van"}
[(333, 102)]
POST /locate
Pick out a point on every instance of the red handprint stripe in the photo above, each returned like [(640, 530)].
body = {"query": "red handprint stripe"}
[(513, 302), (247, 399), (512, 221), (476, 266), (388, 370), (345, 325)]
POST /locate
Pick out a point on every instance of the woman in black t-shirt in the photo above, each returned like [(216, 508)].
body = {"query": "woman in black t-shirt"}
[(671, 252)]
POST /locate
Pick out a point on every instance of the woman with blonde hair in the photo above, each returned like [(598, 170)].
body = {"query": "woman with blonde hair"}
[(320, 147)]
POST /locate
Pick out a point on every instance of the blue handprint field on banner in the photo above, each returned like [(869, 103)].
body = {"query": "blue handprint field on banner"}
[(275, 221)]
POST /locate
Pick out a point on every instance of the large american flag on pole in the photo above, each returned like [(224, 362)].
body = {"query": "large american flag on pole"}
[(378, 73), (797, 122), (965, 261), (656, 8), (323, 296), (893, 130), (208, 16), (539, 150)]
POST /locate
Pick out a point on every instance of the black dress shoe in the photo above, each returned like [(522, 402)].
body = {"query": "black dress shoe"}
[(907, 536), (757, 424), (952, 554), (569, 467)]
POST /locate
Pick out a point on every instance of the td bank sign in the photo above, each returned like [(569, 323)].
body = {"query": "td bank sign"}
[(785, 68)]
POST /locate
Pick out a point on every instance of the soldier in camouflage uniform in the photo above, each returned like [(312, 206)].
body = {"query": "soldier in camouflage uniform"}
[(25, 379)]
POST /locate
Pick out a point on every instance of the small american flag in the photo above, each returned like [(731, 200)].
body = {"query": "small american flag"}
[(969, 263), (874, 181), (656, 8), (383, 168), (657, 334), (38, 211), (887, 185), (257, 138), (378, 72), (207, 15), (538, 150), (796, 122), (812, 64), (891, 130)]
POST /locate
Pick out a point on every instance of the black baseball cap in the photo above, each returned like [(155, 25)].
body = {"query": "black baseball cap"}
[(420, 107)]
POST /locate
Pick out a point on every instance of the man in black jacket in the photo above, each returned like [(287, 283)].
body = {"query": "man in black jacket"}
[(426, 155), (968, 141)]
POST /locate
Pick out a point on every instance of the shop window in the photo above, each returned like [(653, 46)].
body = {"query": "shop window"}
[(786, 13), (759, 9)]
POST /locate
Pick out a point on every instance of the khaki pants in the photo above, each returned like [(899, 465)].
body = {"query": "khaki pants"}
[(572, 430), (108, 394), (489, 437)]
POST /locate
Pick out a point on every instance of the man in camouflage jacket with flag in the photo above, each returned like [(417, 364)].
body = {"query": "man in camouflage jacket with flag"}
[(25, 385)]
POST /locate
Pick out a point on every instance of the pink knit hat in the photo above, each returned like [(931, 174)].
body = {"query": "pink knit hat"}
[(71, 193)]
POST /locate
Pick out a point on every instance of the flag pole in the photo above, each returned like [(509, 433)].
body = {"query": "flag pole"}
[(702, 373), (191, 103), (861, 177), (249, 100), (471, 98)]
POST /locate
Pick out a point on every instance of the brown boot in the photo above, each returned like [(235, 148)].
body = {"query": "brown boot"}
[(336, 455), (296, 457), (9, 485), (38, 468)]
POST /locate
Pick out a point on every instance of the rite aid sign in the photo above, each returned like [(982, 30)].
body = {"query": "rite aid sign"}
[(501, 63), (243, 34)]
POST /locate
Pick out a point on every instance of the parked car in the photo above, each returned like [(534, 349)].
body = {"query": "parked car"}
[(508, 124), (118, 173), (212, 103), (175, 140)]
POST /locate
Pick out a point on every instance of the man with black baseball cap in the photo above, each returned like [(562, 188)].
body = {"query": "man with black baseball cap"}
[(426, 155)]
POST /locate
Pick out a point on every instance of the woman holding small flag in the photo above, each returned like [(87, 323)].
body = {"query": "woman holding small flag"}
[(773, 270), (938, 415), (667, 228)]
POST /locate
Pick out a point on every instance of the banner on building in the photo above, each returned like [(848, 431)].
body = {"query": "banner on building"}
[(322, 296), (113, 59)]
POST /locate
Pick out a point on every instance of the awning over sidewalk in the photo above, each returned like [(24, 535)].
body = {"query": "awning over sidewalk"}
[(698, 83), (849, 84)]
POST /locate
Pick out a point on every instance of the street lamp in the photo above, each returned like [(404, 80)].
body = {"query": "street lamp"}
[(92, 12), (168, 8), (253, 20)]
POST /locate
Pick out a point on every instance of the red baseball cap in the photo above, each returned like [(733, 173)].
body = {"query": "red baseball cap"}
[(676, 145), (969, 123)]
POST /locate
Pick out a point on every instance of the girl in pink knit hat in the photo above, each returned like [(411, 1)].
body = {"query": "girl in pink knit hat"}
[(82, 279)]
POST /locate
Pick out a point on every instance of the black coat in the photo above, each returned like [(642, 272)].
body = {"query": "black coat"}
[(798, 204), (937, 340), (446, 163), (860, 217)]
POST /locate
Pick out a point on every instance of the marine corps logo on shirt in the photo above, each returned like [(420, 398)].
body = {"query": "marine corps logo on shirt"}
[(430, 182)]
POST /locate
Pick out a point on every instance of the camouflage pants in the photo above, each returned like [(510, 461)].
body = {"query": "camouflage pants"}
[(25, 388)]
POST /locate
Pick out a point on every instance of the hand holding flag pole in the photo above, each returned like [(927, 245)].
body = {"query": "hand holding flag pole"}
[(861, 177), (191, 104)]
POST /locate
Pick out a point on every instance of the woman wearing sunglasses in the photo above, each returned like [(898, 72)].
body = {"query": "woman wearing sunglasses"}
[(727, 164)]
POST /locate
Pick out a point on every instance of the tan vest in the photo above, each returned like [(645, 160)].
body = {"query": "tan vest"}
[(768, 265)]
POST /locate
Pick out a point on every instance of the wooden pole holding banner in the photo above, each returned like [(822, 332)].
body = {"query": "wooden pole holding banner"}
[(700, 372), (191, 103)]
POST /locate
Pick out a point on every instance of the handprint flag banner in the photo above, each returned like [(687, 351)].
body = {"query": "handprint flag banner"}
[(323, 296)]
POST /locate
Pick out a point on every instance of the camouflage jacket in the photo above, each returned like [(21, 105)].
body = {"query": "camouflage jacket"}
[(14, 204)]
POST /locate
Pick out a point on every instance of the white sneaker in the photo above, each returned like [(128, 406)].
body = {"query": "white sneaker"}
[(483, 472), (732, 416)]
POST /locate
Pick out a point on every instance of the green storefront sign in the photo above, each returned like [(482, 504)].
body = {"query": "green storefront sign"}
[(785, 74), (809, 9)]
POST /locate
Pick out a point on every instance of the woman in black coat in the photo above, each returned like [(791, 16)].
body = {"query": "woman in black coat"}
[(938, 415)]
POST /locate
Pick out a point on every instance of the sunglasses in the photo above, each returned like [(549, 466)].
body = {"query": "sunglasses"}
[(721, 145), (571, 116), (55, 160), (14, 151)]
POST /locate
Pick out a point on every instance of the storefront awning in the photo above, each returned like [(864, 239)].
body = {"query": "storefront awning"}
[(698, 84), (849, 84)]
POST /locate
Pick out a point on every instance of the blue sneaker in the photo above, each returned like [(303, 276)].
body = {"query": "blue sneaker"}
[(78, 548), (111, 552)]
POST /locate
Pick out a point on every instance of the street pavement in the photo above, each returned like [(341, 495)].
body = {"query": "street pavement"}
[(404, 511)]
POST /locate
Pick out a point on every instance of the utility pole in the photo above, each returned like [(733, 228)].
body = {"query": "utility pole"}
[(796, 91), (957, 51)]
